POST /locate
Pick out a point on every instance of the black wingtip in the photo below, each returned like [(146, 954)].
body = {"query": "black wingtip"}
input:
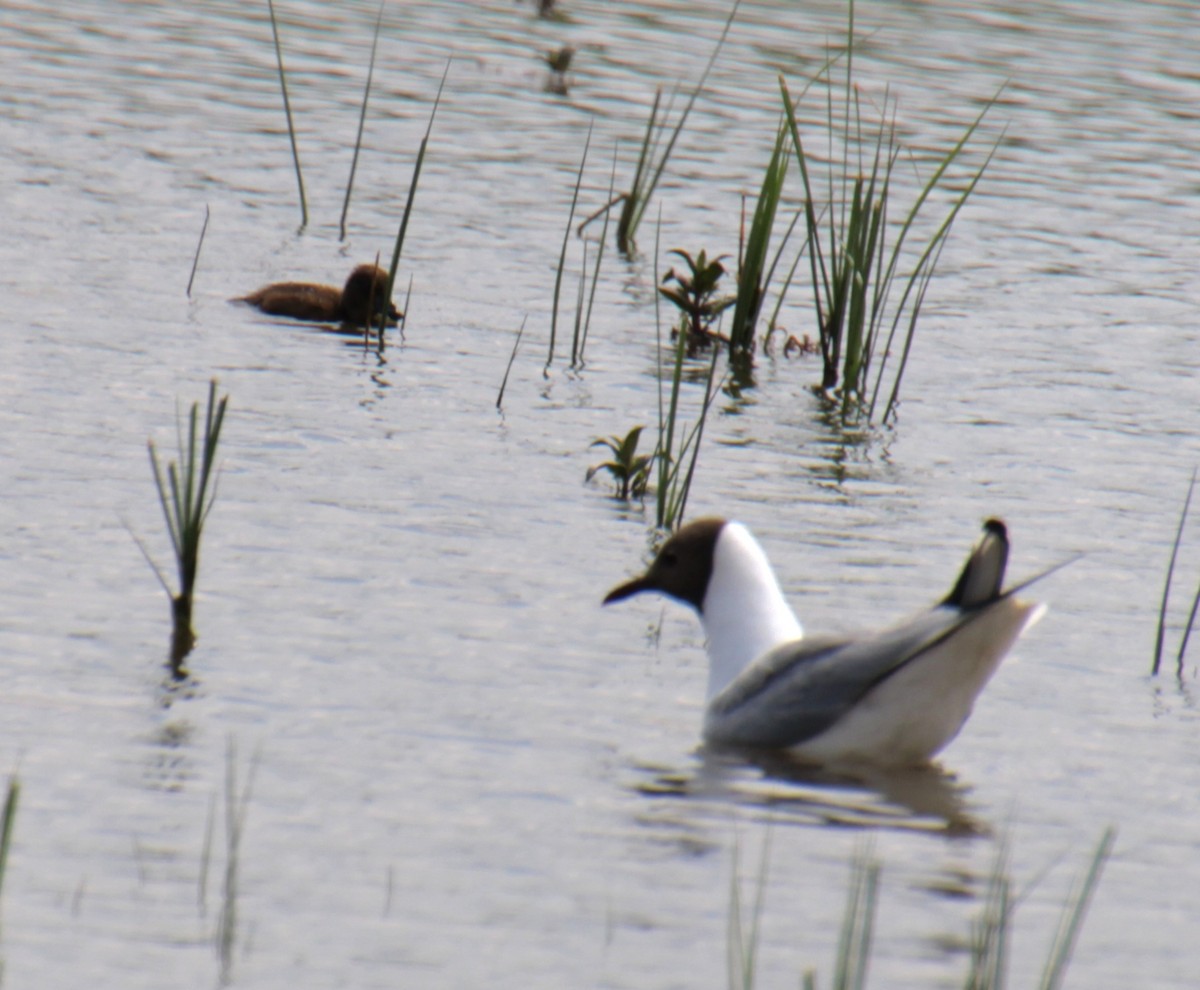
[(997, 528), (983, 574)]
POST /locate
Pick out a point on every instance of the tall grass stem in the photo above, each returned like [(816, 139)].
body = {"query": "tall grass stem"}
[(408, 202), (858, 923), (7, 823), (1166, 595), (673, 487), (362, 119), (646, 176), (235, 822), (287, 109), (562, 255), (742, 948), (752, 265), (511, 358), (1073, 914), (196, 256), (587, 319)]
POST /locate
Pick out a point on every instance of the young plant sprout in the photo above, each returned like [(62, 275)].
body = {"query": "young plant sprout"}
[(695, 294), (628, 469), (187, 490)]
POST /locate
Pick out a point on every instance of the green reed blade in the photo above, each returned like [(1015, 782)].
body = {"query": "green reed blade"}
[(587, 322), (858, 922), (408, 202), (511, 358), (287, 109), (753, 264), (639, 195), (362, 119), (8, 822), (1073, 914), (1162, 611), (562, 257), (196, 256)]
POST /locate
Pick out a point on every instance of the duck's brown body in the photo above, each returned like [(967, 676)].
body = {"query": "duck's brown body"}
[(360, 302)]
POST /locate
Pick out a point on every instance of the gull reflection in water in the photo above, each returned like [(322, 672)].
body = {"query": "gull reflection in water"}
[(782, 790)]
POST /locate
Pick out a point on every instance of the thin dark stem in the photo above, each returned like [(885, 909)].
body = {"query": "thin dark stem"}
[(562, 257), (287, 109), (412, 192), (362, 118), (1162, 612), (199, 245), (511, 358)]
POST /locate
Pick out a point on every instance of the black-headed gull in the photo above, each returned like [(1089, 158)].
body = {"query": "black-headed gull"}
[(889, 698)]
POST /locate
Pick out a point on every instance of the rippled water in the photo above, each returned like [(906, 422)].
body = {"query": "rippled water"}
[(467, 773)]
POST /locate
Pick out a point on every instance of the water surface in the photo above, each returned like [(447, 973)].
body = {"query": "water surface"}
[(468, 773)]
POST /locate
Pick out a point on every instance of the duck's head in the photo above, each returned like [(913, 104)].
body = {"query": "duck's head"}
[(364, 296)]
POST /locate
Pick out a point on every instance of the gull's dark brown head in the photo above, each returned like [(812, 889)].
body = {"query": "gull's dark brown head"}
[(681, 568)]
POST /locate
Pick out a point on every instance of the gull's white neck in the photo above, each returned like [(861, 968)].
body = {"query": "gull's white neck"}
[(744, 612)]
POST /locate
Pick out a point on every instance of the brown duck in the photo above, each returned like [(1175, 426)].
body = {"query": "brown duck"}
[(359, 302)]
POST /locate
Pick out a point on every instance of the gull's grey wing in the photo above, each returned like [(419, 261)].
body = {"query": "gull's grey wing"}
[(799, 689)]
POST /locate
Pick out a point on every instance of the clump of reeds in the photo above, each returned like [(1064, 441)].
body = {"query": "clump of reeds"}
[(755, 270), (855, 252), (678, 442), (187, 491), (651, 162), (1162, 612), (585, 295)]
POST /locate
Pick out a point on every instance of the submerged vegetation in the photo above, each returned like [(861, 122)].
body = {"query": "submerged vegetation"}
[(991, 932), (187, 491), (236, 806)]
